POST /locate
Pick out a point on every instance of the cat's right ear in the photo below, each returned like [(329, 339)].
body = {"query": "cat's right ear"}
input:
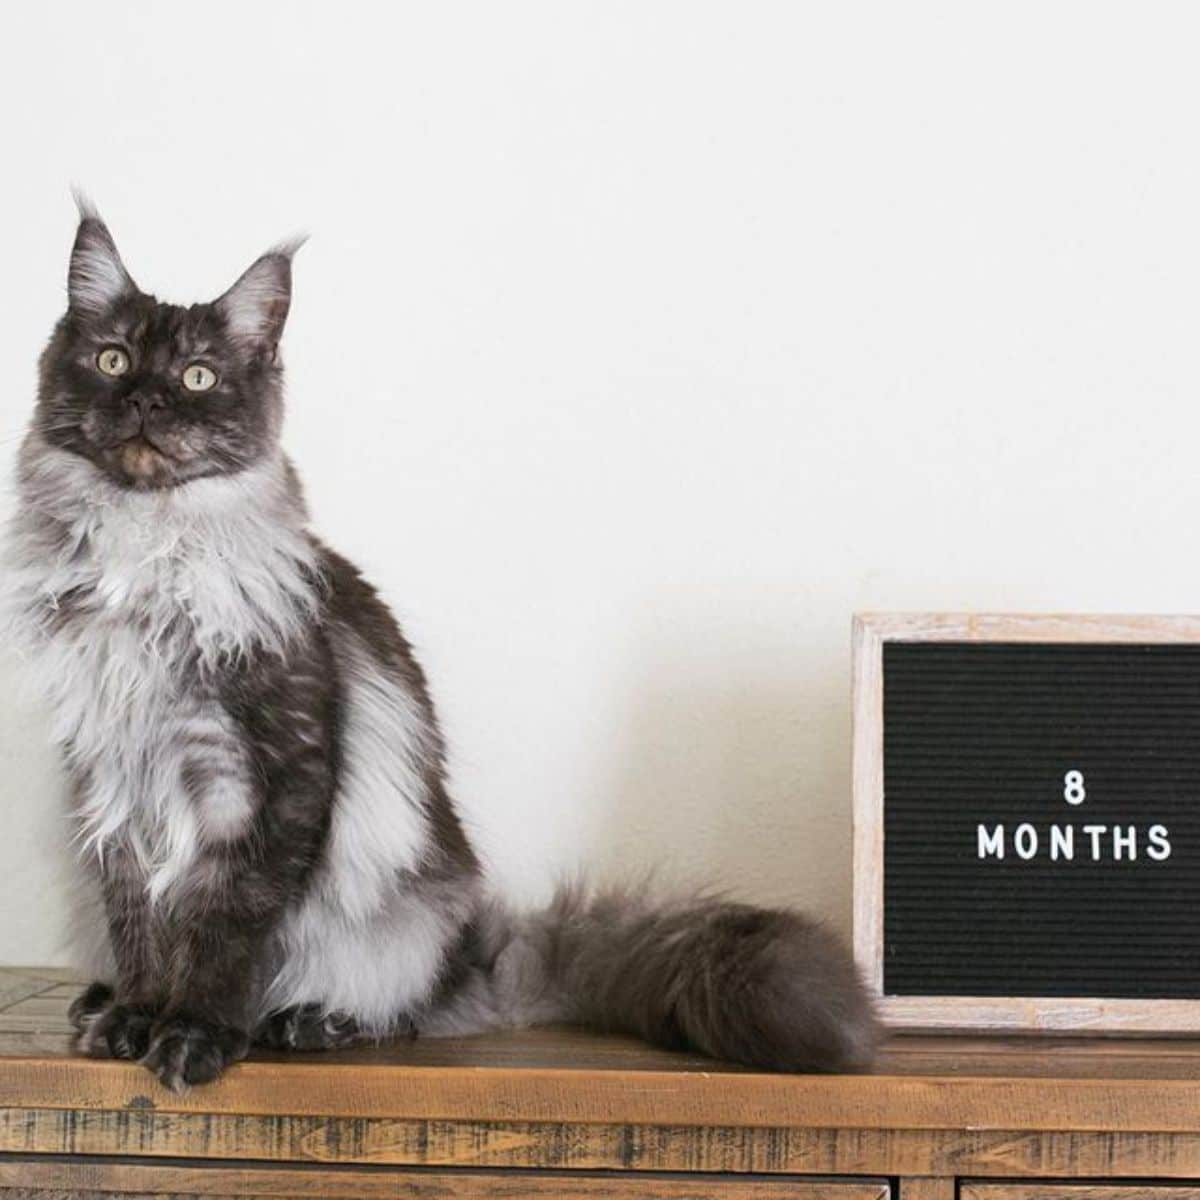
[(256, 307), (97, 277)]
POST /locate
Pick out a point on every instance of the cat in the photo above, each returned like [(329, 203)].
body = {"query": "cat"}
[(258, 785)]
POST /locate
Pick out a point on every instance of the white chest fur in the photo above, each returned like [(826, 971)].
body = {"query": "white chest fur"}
[(124, 604)]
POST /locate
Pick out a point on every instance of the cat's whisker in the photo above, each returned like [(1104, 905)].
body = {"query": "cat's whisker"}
[(20, 434)]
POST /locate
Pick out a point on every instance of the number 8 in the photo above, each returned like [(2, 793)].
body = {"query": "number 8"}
[(1073, 789)]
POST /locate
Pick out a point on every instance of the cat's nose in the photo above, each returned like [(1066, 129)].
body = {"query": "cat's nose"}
[(145, 403)]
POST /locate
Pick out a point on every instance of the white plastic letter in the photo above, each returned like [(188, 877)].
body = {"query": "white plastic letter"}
[(1160, 843), (1025, 841), (991, 844), (1126, 841), (1062, 842), (1095, 832)]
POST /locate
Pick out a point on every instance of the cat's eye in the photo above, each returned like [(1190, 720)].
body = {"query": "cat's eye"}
[(198, 378), (112, 360)]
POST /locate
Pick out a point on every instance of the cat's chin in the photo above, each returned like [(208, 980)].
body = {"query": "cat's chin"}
[(144, 469), (137, 463)]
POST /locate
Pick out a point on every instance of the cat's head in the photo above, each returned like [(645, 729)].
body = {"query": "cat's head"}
[(156, 394)]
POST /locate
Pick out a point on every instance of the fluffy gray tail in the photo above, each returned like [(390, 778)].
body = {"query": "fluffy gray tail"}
[(765, 987)]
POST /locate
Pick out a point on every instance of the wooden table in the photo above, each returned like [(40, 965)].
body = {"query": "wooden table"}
[(557, 1113)]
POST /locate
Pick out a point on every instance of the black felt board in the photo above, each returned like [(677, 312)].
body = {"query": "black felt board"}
[(986, 733)]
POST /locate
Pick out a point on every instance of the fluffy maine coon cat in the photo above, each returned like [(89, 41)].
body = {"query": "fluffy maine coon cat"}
[(258, 789)]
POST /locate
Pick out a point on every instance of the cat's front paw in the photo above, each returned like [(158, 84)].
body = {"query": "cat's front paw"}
[(89, 1014), (89, 1005), (127, 1031), (106, 1029), (189, 1050)]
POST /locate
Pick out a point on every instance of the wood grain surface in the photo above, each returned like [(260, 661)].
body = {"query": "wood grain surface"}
[(921, 1187), (83, 1179), (558, 1099), (564, 1075), (1076, 1191)]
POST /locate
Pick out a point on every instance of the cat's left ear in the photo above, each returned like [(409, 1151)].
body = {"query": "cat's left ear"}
[(256, 307), (97, 278)]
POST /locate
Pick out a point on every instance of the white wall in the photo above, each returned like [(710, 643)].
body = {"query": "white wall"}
[(638, 344)]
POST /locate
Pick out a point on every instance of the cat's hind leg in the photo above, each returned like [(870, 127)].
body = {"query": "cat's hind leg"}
[(311, 1027)]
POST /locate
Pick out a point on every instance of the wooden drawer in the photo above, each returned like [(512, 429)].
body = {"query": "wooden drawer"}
[(1079, 1191), (85, 1179)]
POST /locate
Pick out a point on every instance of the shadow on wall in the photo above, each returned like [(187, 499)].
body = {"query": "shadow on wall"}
[(36, 884), (737, 778)]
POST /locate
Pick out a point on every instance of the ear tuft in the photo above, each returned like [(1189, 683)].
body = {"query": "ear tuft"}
[(97, 277), (256, 307), (84, 204), (289, 246)]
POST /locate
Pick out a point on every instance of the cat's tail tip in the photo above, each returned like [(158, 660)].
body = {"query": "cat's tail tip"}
[(765, 987), (772, 989)]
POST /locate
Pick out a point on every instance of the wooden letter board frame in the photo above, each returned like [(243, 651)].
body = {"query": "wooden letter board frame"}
[(948, 1014)]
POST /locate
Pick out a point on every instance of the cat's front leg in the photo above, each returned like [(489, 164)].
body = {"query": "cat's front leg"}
[(205, 1026), (221, 928), (260, 783), (218, 947), (115, 1020)]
